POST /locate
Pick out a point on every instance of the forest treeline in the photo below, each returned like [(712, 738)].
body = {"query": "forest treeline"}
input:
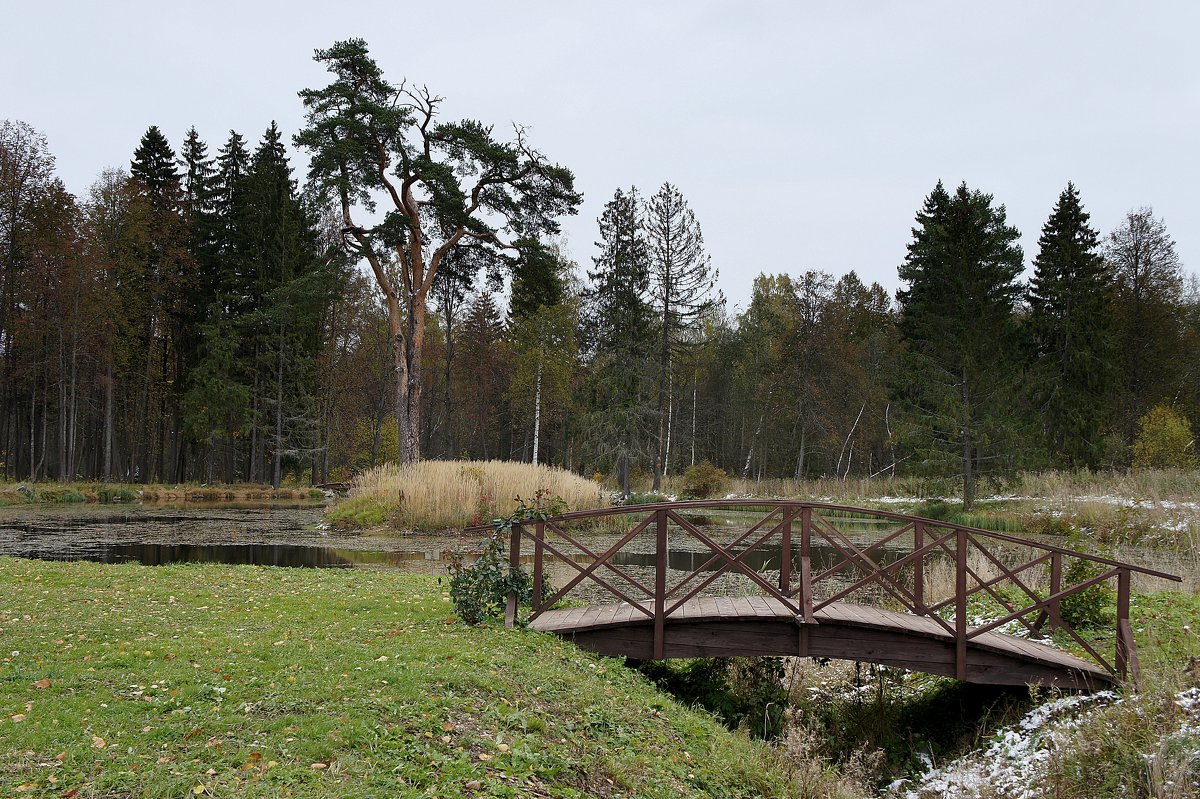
[(203, 316)]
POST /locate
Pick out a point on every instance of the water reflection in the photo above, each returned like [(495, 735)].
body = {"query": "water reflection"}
[(163, 554)]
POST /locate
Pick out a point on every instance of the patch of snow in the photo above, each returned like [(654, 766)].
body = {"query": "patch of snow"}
[(1014, 764)]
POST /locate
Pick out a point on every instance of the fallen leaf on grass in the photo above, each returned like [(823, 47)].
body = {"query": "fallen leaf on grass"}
[(199, 789), (42, 683), (319, 766), (17, 717), (98, 742)]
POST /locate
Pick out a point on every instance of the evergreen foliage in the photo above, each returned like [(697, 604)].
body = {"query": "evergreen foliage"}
[(957, 321), (153, 167), (620, 320), (448, 183), (1073, 372), (199, 319)]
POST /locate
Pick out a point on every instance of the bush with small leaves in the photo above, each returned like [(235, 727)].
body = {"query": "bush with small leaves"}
[(480, 590), (703, 481), (1164, 441)]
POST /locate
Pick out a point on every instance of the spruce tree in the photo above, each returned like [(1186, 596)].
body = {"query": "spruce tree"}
[(153, 167), (230, 210), (961, 337), (167, 326), (291, 282), (620, 338), (1072, 336)]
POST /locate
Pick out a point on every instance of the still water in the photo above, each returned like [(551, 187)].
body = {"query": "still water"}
[(291, 535), (287, 534)]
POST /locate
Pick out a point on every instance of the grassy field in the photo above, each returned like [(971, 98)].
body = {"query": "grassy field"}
[(179, 681), (55, 493)]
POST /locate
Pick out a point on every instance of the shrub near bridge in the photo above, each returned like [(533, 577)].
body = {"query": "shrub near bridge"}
[(703, 481)]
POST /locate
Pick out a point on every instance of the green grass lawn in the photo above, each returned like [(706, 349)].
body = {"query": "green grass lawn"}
[(189, 680)]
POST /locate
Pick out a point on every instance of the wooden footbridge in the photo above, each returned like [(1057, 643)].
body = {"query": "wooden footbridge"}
[(685, 579)]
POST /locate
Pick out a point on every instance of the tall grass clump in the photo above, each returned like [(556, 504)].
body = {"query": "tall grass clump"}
[(446, 495), (1152, 484)]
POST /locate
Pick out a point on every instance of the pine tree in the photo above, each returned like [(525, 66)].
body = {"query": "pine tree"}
[(1072, 336), (682, 281), (449, 183), (961, 337)]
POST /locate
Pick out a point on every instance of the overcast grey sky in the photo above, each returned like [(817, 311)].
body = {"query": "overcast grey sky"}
[(804, 135)]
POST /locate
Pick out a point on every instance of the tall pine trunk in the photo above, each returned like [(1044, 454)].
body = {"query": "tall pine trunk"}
[(968, 454), (411, 385), (277, 471), (106, 473)]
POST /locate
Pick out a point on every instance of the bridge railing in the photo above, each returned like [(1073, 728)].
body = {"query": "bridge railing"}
[(907, 566)]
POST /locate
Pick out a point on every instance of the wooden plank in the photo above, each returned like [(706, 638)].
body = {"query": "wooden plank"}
[(757, 625), (762, 609)]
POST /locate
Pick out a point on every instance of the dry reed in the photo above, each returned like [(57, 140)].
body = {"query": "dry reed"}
[(1153, 484), (439, 495)]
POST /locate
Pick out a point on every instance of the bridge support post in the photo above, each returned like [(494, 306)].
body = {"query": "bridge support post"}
[(660, 583), (919, 568), (539, 536), (1126, 656), (785, 552), (1054, 609), (514, 562), (806, 594), (960, 605)]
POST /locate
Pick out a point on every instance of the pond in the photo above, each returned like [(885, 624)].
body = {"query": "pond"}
[(267, 534), (277, 534), (290, 534)]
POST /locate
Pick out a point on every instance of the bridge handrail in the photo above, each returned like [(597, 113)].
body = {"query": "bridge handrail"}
[(853, 557), (626, 510)]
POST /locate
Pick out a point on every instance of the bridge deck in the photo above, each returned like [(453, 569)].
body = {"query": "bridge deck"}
[(755, 625)]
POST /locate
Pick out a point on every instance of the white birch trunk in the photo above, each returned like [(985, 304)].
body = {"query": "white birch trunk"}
[(537, 412)]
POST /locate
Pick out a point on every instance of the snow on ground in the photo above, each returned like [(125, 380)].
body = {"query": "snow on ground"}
[(1014, 764)]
